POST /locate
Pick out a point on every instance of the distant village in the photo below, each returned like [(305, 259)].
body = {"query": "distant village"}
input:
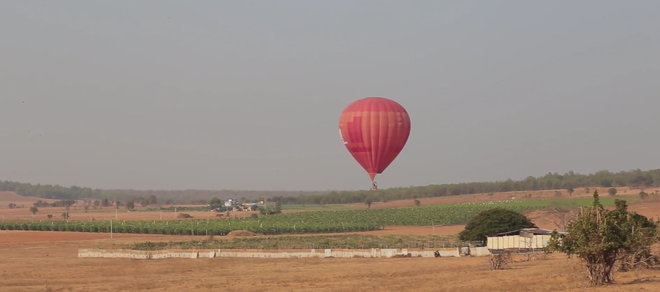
[(236, 205)]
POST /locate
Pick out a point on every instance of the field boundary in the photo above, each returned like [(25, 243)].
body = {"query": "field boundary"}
[(229, 253)]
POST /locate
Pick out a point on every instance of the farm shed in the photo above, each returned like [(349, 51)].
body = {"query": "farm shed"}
[(522, 240)]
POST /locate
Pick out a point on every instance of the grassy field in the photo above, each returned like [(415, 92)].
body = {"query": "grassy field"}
[(316, 207)]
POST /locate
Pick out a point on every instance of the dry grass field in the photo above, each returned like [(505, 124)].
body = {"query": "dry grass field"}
[(624, 192), (29, 263)]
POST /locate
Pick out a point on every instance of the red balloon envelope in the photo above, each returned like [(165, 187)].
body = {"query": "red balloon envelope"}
[(374, 130)]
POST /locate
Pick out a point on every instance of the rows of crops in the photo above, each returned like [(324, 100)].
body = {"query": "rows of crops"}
[(194, 227), (291, 223)]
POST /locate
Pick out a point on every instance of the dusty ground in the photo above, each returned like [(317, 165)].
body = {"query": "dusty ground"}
[(12, 197), (650, 209), (34, 265)]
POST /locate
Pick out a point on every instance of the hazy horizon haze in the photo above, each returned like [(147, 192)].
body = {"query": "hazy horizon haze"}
[(246, 95)]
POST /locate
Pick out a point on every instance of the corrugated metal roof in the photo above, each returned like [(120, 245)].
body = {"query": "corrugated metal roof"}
[(535, 231)]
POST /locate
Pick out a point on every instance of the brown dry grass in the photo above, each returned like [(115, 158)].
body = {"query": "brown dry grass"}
[(518, 195), (650, 209), (12, 197), (54, 266)]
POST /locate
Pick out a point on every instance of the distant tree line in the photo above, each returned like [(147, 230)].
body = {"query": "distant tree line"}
[(139, 197), (568, 181), (551, 181)]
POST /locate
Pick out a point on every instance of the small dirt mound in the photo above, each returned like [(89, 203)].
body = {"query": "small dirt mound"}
[(241, 233), (408, 255), (183, 215)]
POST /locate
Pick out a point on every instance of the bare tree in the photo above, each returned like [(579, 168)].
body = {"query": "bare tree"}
[(67, 207), (563, 213)]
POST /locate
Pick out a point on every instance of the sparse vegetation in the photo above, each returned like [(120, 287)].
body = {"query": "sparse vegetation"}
[(305, 242), (601, 238), (612, 191), (562, 213), (499, 261)]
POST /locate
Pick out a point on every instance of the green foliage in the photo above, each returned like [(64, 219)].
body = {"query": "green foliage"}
[(493, 221), (201, 197), (551, 181), (216, 203), (269, 210), (300, 222), (611, 191), (601, 237), (264, 225), (305, 242), (368, 201)]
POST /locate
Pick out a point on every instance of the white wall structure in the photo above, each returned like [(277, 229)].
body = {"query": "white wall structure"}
[(479, 251), (228, 253), (527, 238)]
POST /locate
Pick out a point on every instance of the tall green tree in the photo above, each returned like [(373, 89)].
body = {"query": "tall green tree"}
[(493, 221)]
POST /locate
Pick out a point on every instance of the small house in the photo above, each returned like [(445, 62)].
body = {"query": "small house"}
[(229, 203)]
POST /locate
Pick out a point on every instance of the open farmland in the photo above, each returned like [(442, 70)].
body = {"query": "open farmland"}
[(49, 266), (353, 241), (300, 222)]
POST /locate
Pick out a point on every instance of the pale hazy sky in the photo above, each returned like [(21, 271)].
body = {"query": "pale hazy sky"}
[(247, 94)]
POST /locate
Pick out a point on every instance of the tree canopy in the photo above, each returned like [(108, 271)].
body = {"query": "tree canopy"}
[(493, 221), (601, 237)]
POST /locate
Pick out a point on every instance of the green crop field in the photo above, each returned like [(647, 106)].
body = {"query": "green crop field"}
[(305, 222), (315, 207)]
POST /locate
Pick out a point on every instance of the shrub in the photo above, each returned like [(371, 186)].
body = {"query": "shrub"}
[(601, 237), (493, 221)]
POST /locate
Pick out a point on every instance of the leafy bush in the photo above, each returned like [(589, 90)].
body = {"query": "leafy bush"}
[(493, 221), (601, 238)]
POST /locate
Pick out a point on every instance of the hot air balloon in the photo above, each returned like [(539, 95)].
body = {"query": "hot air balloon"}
[(374, 130)]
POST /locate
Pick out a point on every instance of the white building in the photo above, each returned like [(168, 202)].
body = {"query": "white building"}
[(522, 240), (229, 203)]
